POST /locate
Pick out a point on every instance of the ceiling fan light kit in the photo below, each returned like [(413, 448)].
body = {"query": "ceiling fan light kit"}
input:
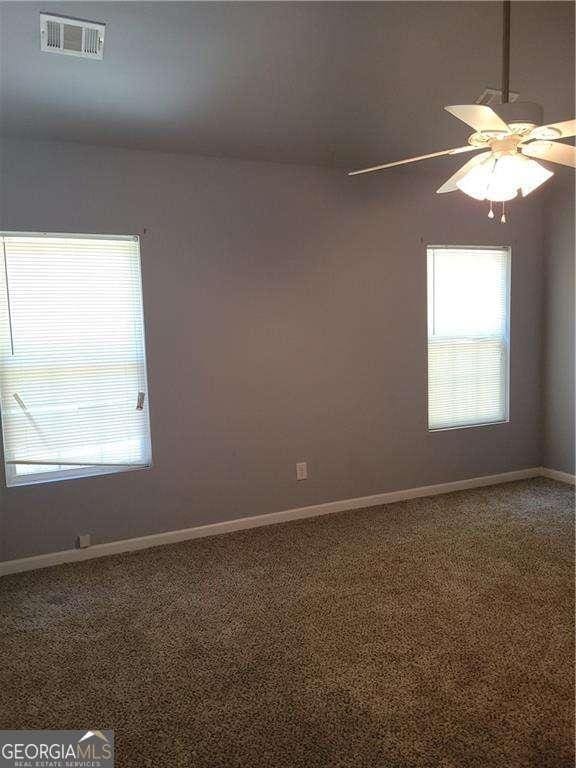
[(501, 179), (512, 139)]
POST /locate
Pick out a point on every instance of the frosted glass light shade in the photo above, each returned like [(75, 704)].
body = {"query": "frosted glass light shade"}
[(503, 178), (534, 175)]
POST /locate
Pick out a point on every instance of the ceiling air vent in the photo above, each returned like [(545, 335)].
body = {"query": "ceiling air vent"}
[(72, 37), (494, 96)]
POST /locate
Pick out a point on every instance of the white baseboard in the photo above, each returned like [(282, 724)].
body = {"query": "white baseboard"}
[(172, 537), (555, 474)]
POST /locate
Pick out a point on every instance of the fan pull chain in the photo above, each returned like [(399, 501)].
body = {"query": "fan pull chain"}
[(490, 212), (503, 217)]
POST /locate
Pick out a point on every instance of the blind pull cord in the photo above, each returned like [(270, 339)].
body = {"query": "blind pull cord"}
[(140, 401), (20, 402), (30, 418)]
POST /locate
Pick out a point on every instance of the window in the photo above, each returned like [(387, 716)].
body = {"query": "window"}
[(468, 336), (73, 392)]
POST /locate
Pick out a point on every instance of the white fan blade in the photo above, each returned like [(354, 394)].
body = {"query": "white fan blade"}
[(565, 154), (456, 151), (565, 130), (452, 184), (479, 116)]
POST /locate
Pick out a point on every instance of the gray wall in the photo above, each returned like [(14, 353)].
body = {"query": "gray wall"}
[(286, 320), (559, 361)]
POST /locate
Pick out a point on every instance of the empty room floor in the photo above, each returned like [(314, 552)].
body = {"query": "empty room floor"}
[(433, 632)]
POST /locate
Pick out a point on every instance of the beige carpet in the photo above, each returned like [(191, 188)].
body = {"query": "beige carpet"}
[(429, 633)]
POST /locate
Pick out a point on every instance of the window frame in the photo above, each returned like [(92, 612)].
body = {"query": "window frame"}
[(506, 420), (8, 475)]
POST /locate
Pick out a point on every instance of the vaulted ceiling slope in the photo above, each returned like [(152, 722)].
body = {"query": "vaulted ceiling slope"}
[(341, 83)]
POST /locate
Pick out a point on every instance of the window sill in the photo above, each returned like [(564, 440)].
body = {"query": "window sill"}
[(432, 430), (71, 474)]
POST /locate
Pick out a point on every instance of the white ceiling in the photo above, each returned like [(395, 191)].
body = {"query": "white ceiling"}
[(327, 83)]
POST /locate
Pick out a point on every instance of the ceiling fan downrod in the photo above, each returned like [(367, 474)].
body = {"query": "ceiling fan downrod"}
[(505, 51), (505, 77)]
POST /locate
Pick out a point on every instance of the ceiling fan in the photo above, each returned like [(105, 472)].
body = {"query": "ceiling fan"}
[(512, 140)]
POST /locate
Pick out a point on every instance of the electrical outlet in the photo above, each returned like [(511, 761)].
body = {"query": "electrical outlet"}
[(301, 470), (84, 540)]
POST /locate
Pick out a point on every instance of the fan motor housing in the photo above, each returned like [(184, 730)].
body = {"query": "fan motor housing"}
[(523, 112), (521, 117)]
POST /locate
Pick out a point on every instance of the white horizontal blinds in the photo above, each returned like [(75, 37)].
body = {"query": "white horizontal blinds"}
[(73, 372), (468, 290)]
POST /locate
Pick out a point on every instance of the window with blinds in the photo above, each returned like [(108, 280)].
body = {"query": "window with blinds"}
[(73, 392), (468, 336)]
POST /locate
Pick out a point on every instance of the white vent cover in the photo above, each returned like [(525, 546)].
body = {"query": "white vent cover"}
[(73, 37), (494, 96)]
